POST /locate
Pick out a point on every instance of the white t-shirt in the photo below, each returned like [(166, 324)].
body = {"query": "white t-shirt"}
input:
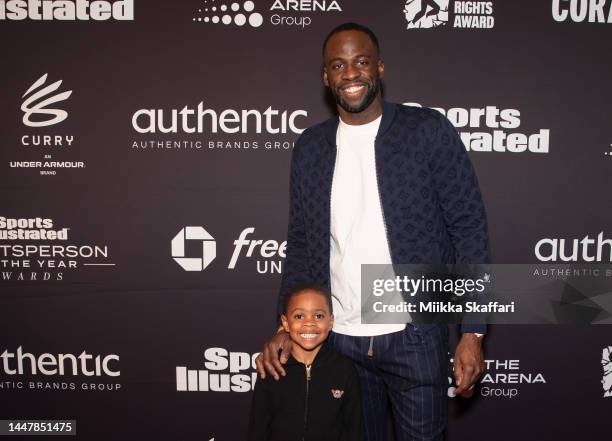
[(358, 233)]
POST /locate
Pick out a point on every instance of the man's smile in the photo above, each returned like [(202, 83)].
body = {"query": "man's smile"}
[(353, 89)]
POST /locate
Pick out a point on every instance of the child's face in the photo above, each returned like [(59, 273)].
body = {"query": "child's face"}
[(308, 319)]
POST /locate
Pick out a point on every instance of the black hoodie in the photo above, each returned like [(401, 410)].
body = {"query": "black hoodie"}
[(322, 406)]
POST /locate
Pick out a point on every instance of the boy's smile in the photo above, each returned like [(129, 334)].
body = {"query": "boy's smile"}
[(308, 321)]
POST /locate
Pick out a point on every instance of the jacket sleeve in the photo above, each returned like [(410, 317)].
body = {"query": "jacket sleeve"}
[(461, 203), (261, 411), (353, 411), (296, 268)]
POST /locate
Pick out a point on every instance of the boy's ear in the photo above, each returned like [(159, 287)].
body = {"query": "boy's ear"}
[(285, 322)]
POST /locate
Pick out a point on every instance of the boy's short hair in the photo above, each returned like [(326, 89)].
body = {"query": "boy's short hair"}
[(301, 287)]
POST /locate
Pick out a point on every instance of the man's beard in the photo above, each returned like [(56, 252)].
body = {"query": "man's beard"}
[(368, 99)]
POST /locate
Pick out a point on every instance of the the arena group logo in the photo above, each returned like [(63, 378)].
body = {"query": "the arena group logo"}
[(579, 11), (292, 13), (426, 14), (265, 256), (229, 13), (43, 109), (208, 129), (72, 10), (584, 249), (35, 250), (491, 129), (504, 379), (606, 364), (224, 371), (23, 370)]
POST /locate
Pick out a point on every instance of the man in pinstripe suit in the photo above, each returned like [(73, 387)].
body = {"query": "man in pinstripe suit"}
[(383, 183)]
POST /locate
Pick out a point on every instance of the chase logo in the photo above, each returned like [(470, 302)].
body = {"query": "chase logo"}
[(36, 103), (209, 248)]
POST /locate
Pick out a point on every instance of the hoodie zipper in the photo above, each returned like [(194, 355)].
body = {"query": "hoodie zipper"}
[(308, 367)]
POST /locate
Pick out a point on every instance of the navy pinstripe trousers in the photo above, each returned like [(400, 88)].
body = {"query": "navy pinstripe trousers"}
[(409, 370)]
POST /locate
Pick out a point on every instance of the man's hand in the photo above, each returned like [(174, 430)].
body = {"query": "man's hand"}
[(469, 364), (269, 360)]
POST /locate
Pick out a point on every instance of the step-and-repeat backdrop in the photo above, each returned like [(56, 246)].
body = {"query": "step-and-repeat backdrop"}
[(144, 158)]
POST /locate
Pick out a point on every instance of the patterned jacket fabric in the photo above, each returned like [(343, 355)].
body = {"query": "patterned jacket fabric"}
[(431, 202)]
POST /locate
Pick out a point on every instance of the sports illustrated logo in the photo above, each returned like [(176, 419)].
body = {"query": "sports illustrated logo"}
[(606, 364), (499, 139), (579, 11), (234, 13), (81, 10), (426, 14), (587, 249), (209, 248), (225, 371), (198, 120), (26, 369), (30, 106), (294, 13), (503, 379), (28, 257)]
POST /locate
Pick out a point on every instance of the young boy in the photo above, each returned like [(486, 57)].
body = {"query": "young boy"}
[(319, 398)]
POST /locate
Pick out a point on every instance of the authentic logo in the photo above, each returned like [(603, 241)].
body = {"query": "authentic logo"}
[(499, 139), (28, 256), (200, 120), (502, 379), (578, 11), (606, 364), (36, 105), (587, 249), (424, 14), (25, 370), (225, 371), (282, 12), (81, 10), (209, 248), (217, 12)]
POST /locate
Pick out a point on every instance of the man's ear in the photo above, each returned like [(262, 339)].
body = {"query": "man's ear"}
[(285, 322), (381, 68), (325, 80)]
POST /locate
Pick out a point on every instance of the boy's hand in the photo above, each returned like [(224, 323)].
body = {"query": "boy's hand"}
[(269, 359)]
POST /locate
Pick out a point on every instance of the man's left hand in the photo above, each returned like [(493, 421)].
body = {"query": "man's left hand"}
[(469, 364)]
